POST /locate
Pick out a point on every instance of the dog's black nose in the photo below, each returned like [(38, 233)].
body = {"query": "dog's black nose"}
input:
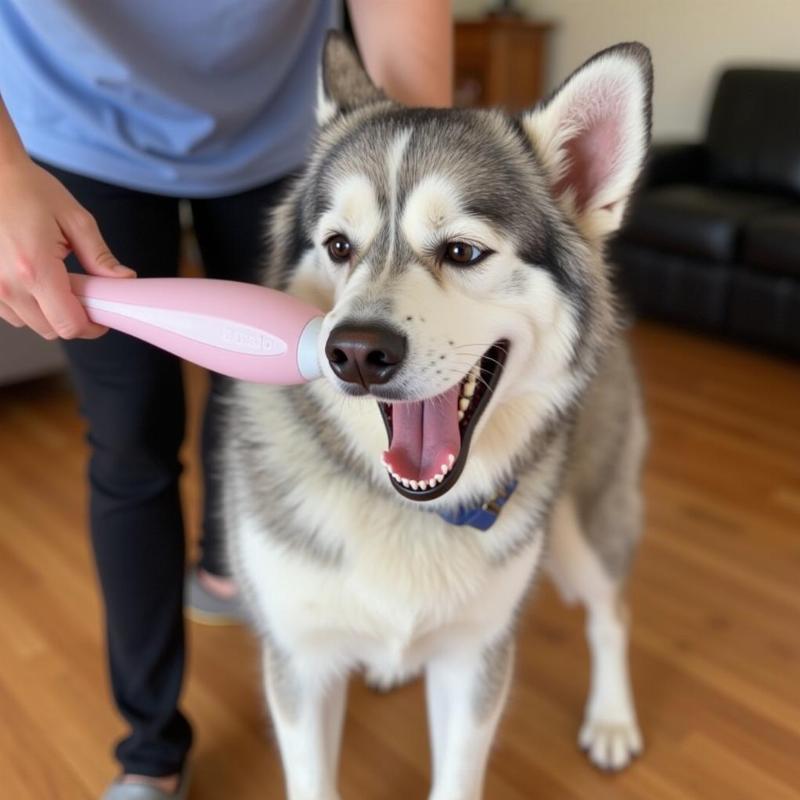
[(365, 354)]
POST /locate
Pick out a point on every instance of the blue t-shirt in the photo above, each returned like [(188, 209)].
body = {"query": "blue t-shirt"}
[(182, 97)]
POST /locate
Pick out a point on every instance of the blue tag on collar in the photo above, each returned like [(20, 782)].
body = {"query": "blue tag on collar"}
[(481, 517)]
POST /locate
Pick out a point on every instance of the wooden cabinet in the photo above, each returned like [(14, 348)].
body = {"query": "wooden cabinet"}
[(499, 61)]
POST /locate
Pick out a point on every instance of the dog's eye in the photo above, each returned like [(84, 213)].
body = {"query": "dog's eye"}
[(339, 248), (463, 253)]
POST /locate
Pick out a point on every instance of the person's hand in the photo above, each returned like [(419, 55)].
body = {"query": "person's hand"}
[(40, 224)]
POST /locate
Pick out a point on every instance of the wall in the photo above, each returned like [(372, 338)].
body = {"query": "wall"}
[(690, 39)]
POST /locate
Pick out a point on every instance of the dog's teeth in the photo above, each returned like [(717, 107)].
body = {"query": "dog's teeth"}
[(414, 485), (437, 479), (463, 403), (469, 389), (444, 469), (460, 415), (451, 458), (423, 484), (405, 482)]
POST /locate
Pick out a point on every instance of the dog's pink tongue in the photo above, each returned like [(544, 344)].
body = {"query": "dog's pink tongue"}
[(424, 436)]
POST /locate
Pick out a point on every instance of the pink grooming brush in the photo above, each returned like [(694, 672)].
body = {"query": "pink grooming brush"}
[(237, 329)]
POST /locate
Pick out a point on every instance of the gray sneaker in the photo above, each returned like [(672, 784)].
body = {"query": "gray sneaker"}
[(206, 608), (143, 791)]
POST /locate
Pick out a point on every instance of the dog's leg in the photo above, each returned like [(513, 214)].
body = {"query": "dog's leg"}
[(610, 733), (466, 693), (308, 712)]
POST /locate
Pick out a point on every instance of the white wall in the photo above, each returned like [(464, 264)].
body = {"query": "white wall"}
[(691, 41)]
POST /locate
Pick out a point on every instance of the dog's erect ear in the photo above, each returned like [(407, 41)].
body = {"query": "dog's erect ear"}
[(344, 83), (593, 134)]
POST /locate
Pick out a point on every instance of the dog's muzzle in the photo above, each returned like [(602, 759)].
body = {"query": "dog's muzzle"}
[(429, 439)]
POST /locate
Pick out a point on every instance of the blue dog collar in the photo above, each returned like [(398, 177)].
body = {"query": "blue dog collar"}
[(481, 517)]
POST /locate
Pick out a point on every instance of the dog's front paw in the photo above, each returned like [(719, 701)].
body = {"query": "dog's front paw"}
[(610, 743)]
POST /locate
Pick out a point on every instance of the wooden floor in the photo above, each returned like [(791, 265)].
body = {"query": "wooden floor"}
[(715, 646)]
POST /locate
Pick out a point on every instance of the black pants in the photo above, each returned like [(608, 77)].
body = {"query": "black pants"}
[(132, 397)]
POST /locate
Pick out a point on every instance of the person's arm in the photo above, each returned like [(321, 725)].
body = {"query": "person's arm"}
[(407, 47), (40, 224), (10, 145)]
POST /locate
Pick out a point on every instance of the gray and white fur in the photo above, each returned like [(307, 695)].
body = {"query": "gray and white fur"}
[(345, 567)]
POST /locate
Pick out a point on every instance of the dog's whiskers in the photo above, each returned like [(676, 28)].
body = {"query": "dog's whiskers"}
[(479, 378), (480, 358), (483, 345)]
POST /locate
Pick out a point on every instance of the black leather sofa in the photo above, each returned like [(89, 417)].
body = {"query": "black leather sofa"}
[(712, 239)]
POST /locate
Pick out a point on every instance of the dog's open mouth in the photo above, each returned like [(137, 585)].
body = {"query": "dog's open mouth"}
[(429, 439)]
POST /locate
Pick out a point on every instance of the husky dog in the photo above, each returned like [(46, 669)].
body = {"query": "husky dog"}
[(478, 414)]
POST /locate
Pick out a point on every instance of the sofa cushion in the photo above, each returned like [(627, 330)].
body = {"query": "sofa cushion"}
[(764, 309), (676, 162), (695, 220), (24, 355), (672, 287), (772, 242), (753, 135)]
